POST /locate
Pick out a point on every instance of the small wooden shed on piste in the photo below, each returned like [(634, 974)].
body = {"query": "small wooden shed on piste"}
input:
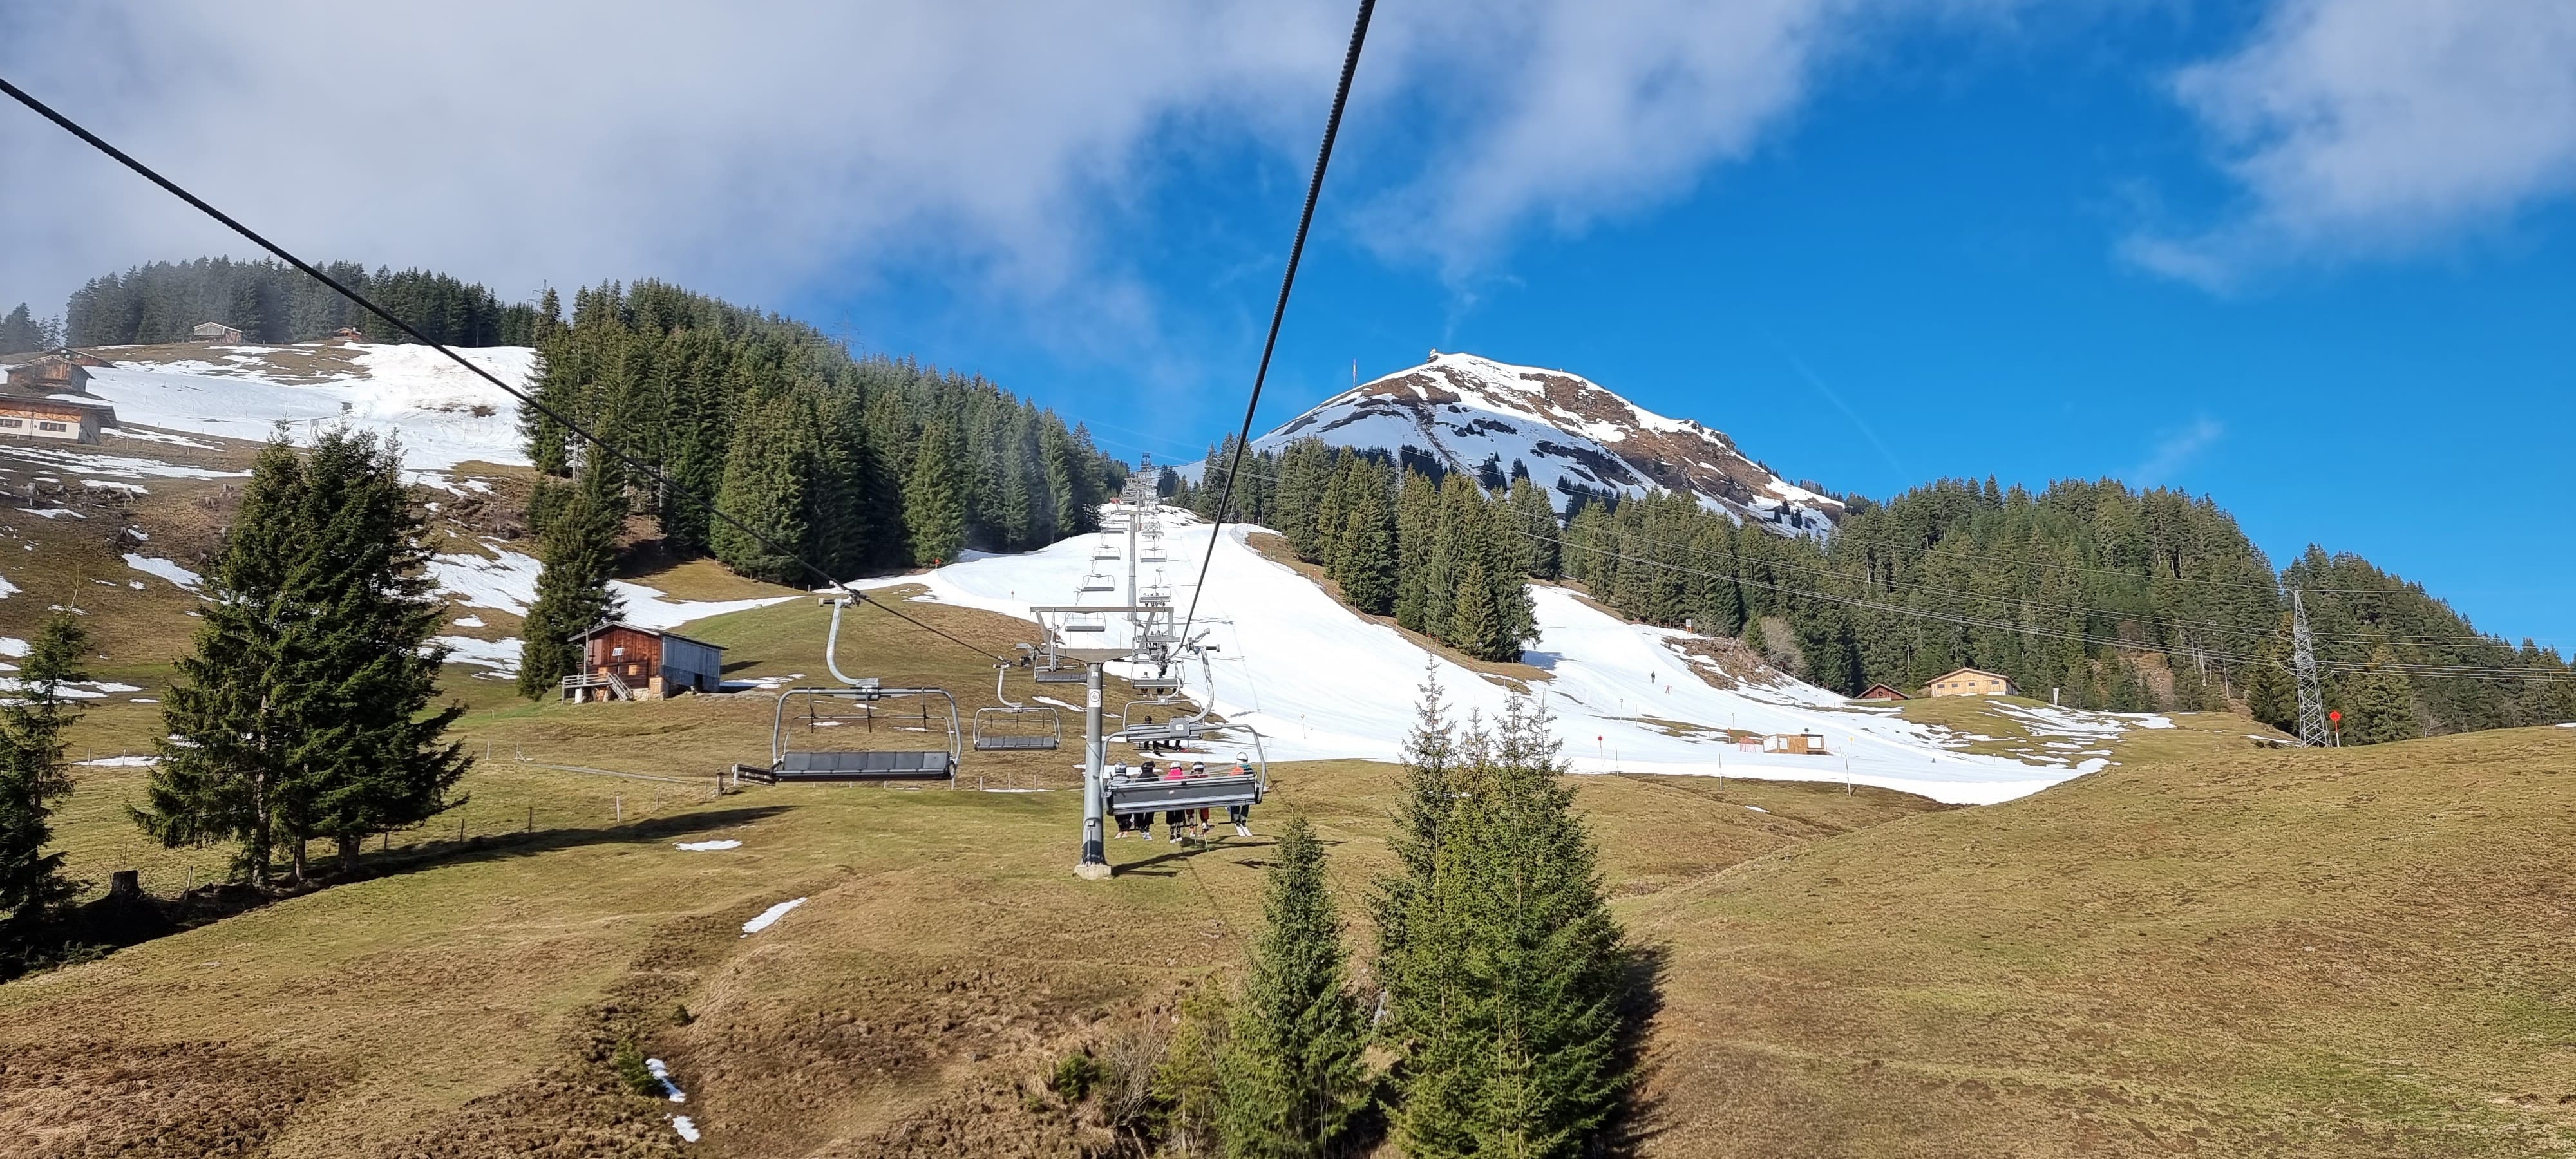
[(1882, 692), (622, 661)]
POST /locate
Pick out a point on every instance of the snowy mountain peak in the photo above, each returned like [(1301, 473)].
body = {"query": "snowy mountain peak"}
[(1571, 433)]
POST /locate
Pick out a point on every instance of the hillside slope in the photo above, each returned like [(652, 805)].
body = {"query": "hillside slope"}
[(1324, 682), (2351, 953), (2298, 953)]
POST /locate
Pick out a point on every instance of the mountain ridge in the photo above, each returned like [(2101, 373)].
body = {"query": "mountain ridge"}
[(1572, 434)]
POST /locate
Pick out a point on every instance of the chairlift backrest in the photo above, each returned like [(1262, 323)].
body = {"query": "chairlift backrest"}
[(1014, 726)]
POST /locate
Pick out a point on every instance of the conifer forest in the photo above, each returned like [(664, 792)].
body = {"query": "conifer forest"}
[(2099, 594)]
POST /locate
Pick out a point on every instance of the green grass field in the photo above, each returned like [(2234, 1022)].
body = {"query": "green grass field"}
[(2208, 948)]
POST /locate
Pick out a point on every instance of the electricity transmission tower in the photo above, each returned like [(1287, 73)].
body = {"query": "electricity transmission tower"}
[(2313, 731)]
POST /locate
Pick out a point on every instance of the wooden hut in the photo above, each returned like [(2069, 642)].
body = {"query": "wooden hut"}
[(217, 333), (51, 374), (1971, 682), (622, 661), (1882, 692)]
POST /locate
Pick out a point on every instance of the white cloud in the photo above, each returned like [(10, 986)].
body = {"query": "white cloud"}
[(2175, 450), (1564, 113), (749, 146), (758, 148), (2379, 128)]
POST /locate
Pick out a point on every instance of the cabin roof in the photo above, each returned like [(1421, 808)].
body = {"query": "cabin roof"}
[(661, 632)]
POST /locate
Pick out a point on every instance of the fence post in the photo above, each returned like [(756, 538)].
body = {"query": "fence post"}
[(532, 817)]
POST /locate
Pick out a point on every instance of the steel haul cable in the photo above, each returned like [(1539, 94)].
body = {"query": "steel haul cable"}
[(1278, 313), (665, 482)]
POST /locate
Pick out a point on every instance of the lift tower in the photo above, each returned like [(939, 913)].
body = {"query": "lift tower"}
[(1089, 637)]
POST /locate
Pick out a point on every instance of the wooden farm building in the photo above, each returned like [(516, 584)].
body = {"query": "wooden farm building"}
[(1971, 682), (216, 332), (621, 661), (36, 416), (1882, 692), (51, 374), (349, 334), (81, 357)]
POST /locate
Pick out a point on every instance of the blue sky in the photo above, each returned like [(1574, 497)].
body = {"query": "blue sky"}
[(2311, 257), (1923, 275)]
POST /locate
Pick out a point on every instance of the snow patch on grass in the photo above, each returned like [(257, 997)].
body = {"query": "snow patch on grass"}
[(769, 917), (708, 846), (166, 570)]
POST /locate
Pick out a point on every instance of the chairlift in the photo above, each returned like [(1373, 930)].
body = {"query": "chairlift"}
[(831, 708), (1221, 790), (1099, 582), (1015, 726), (1167, 683)]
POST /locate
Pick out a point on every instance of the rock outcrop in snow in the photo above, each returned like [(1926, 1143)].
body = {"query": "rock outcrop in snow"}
[(1570, 432)]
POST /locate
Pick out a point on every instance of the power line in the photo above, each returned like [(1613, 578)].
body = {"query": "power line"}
[(1279, 312), (665, 482)]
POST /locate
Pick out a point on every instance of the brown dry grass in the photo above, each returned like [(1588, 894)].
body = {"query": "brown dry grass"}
[(2210, 949), (2353, 952)]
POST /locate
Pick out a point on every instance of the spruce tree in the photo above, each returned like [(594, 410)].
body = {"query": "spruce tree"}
[(2383, 706), (1533, 521), (1514, 1035), (1474, 624), (19, 332), (934, 503), (765, 478), (1292, 1070), (303, 708), (222, 776), (2270, 697), (577, 551), (1423, 805), (34, 780), (1417, 522), (370, 753), (1367, 551)]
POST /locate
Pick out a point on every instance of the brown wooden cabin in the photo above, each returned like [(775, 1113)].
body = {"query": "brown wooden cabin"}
[(622, 661), (216, 332), (51, 374), (1882, 692), (349, 334)]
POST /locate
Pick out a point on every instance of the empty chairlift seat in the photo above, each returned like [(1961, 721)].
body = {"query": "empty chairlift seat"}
[(875, 765), (1015, 727), (811, 762)]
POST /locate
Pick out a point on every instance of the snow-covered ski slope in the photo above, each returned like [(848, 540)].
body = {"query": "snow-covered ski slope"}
[(1323, 682), (1570, 432), (442, 414)]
